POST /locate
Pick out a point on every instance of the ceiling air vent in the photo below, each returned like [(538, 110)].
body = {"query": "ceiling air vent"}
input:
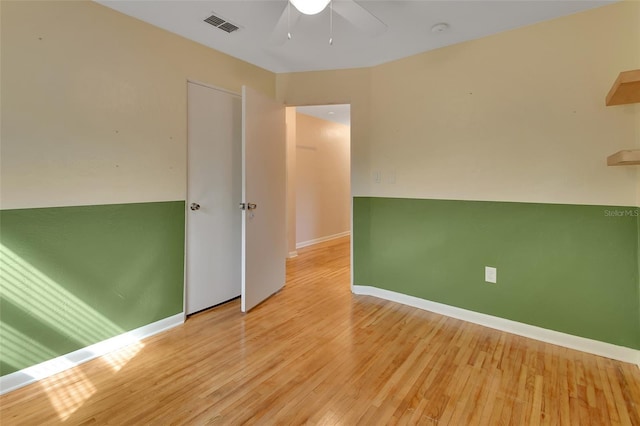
[(222, 24)]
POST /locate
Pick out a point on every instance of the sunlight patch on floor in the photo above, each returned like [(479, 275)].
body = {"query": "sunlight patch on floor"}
[(67, 391), (117, 359)]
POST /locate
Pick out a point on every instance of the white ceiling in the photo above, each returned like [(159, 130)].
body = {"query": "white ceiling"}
[(408, 27), (338, 113)]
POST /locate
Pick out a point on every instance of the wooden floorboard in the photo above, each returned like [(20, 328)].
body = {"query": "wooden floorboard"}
[(316, 354)]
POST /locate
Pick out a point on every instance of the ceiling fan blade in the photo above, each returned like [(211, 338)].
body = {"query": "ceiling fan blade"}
[(360, 17), (286, 22)]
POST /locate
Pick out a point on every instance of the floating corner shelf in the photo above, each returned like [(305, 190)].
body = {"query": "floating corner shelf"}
[(626, 157), (626, 89)]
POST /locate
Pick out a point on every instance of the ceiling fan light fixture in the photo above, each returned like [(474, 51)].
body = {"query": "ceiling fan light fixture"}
[(310, 7)]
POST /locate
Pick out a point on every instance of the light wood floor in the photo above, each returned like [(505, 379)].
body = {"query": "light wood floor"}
[(316, 354)]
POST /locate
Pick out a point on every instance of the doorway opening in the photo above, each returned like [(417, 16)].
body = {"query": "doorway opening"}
[(318, 176)]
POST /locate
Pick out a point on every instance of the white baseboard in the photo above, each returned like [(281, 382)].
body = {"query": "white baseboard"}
[(583, 344), (292, 254), (322, 239), (48, 368)]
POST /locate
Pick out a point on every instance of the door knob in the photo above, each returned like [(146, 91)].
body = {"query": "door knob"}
[(194, 206), (248, 206)]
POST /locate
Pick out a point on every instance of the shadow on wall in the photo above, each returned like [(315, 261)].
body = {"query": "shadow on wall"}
[(76, 276), (28, 293)]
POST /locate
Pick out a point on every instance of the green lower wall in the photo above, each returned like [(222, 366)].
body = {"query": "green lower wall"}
[(74, 276), (570, 268)]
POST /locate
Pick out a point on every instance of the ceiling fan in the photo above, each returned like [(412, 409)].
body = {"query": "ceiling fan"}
[(351, 11)]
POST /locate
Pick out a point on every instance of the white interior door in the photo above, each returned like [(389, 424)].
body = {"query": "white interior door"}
[(264, 197), (214, 188)]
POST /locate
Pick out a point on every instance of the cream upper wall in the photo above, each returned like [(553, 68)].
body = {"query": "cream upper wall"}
[(517, 116), (94, 104), (94, 110), (291, 180), (323, 195)]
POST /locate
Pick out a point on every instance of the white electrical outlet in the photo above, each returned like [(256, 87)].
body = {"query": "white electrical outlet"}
[(377, 176), (491, 274)]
